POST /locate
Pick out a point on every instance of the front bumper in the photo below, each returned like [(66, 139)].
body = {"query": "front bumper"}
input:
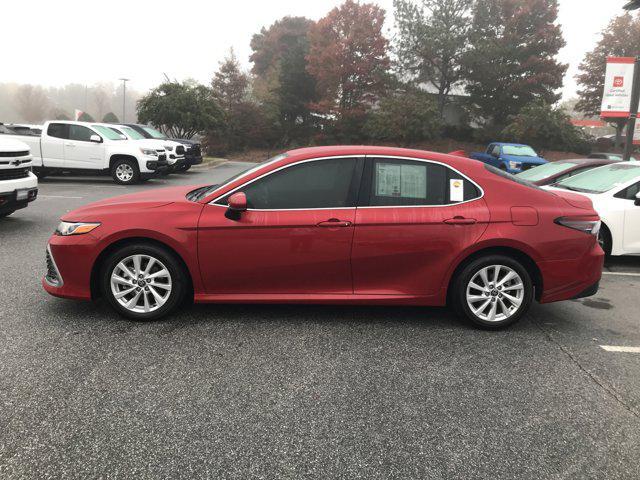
[(177, 164), (17, 194), (71, 259)]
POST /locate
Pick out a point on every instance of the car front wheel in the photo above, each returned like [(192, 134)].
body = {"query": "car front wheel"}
[(125, 172), (493, 292), (143, 281)]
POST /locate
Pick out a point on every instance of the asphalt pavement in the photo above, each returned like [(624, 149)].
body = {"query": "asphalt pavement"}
[(291, 391)]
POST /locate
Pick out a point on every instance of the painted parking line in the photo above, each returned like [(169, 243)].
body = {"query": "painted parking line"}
[(622, 274), (619, 349), (56, 196)]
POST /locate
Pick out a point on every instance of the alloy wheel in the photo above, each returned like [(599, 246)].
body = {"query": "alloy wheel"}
[(141, 283), (124, 172), (495, 293)]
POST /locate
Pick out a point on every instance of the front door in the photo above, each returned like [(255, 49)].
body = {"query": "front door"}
[(295, 238), (80, 151), (413, 219)]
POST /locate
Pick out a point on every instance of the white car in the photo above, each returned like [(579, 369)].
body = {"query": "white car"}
[(90, 148), (175, 160), (18, 186), (615, 192)]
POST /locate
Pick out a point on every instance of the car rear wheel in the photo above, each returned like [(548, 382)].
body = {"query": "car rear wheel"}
[(604, 239), (493, 292), (143, 281), (125, 172)]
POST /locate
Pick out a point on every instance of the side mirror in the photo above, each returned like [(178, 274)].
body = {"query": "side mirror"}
[(637, 202), (237, 205), (95, 138)]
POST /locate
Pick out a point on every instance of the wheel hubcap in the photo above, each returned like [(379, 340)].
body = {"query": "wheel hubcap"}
[(124, 172), (495, 293), (141, 283)]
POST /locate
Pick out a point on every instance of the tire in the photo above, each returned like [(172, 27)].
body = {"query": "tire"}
[(153, 294), (604, 239), (183, 168), (503, 167), (6, 214), (125, 172), (506, 308)]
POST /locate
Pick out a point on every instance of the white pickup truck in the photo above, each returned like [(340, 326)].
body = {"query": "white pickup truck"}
[(18, 186), (79, 147)]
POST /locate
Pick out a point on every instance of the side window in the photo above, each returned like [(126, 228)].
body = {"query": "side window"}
[(460, 189), (629, 193), (80, 133), (58, 130), (316, 184), (395, 182), (496, 151)]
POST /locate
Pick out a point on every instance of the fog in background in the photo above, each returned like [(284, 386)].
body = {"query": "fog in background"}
[(76, 50)]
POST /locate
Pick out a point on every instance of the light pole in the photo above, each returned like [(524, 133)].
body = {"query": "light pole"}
[(124, 96)]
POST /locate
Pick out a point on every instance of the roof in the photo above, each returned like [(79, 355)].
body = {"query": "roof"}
[(339, 150), (509, 144)]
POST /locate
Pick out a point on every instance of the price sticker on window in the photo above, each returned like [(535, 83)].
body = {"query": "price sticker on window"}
[(456, 190)]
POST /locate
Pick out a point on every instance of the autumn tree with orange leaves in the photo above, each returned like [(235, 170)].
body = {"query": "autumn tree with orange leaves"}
[(348, 58)]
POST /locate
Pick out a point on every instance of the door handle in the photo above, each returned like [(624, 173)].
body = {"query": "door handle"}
[(333, 223), (460, 221), (69, 145)]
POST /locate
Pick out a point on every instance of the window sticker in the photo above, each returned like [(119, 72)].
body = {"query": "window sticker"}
[(456, 190), (397, 180)]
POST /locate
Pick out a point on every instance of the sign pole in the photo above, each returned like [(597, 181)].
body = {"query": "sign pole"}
[(633, 113)]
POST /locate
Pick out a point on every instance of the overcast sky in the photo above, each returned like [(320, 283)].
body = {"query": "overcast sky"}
[(57, 42)]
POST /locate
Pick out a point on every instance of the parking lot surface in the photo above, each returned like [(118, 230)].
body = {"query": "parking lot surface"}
[(240, 391)]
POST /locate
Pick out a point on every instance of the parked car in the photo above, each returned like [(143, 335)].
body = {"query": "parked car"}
[(608, 156), (23, 129), (510, 157), (18, 186), (175, 160), (429, 229), (613, 189), (192, 148), (80, 147), (553, 172)]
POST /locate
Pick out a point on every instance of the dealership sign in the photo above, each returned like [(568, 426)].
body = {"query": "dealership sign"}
[(616, 100)]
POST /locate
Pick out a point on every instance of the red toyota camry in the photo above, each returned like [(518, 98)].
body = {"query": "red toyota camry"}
[(340, 225)]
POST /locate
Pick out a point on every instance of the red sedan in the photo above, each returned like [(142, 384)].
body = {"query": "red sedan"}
[(339, 225)]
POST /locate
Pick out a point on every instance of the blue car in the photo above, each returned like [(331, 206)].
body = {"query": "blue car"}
[(510, 157)]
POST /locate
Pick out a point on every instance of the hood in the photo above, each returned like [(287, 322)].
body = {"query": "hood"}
[(130, 203), (184, 141), (575, 199), (529, 160), (151, 144), (11, 145)]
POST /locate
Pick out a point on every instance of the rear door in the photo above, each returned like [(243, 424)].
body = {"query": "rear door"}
[(295, 238), (52, 144), (414, 217)]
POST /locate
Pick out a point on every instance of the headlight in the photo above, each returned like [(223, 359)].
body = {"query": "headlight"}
[(168, 148), (149, 151), (514, 165), (79, 228)]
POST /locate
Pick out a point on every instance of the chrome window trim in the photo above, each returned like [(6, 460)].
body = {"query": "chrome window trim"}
[(231, 192), (55, 266), (392, 157)]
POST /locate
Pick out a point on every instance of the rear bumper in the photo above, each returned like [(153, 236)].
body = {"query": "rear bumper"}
[(574, 278)]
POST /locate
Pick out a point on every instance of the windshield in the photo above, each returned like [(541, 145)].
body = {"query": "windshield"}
[(155, 133), (519, 151), (202, 192), (602, 179), (131, 133), (546, 171), (110, 133)]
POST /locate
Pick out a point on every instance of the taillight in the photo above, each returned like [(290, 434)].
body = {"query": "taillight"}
[(589, 224)]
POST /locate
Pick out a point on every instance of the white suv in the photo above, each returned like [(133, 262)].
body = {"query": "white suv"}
[(18, 186)]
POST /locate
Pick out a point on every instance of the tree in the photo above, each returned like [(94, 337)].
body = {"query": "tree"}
[(405, 117), (32, 103), (282, 82), (110, 117), (59, 114), (181, 109), (348, 59), (431, 40), (545, 127), (620, 38), (85, 117), (230, 85), (512, 60)]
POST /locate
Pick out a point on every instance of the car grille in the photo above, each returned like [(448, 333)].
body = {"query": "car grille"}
[(51, 276), (14, 154), (14, 173), (180, 150), (162, 158)]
